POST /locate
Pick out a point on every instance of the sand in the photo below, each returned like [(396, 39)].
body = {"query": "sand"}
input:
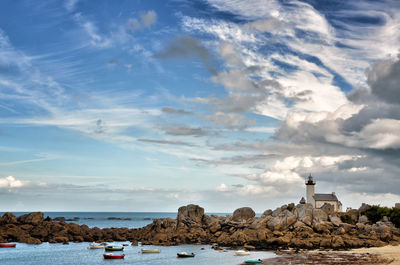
[(389, 252), (388, 255)]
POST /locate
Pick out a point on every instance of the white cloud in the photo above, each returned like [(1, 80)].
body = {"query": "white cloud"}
[(11, 182), (70, 4), (96, 38)]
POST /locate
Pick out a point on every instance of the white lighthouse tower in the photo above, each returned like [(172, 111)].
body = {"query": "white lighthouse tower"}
[(310, 190)]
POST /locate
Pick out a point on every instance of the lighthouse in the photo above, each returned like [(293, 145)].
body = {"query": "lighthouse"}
[(310, 190)]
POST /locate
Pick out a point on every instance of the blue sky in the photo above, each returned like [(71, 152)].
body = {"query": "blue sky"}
[(150, 105)]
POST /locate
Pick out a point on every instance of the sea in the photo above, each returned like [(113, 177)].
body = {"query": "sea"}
[(79, 253)]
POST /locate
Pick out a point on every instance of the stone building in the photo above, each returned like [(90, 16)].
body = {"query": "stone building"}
[(318, 200)]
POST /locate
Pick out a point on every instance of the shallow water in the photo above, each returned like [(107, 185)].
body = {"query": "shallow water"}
[(79, 253)]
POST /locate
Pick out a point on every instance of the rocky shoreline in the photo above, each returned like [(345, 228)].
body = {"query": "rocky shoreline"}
[(290, 226)]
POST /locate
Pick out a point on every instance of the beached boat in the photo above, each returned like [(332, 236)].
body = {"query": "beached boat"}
[(184, 255), (253, 261), (96, 246), (114, 248), (150, 250), (241, 253), (113, 256), (7, 245)]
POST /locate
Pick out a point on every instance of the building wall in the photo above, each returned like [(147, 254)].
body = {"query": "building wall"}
[(336, 205), (310, 194)]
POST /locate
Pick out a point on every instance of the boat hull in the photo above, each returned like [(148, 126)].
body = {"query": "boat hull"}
[(144, 251), (241, 253), (113, 249), (8, 245), (181, 255), (111, 256), (96, 246)]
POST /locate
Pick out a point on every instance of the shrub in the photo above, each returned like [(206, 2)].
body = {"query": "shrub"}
[(395, 217), (290, 207), (376, 213)]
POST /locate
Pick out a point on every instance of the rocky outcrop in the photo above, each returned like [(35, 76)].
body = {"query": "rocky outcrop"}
[(190, 214), (8, 218), (289, 226), (243, 214), (34, 218)]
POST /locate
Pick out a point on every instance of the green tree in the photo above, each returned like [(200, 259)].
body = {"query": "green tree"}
[(395, 217)]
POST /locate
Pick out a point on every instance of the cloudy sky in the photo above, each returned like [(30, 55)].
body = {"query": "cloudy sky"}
[(150, 105)]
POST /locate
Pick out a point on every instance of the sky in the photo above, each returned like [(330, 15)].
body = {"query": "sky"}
[(151, 105)]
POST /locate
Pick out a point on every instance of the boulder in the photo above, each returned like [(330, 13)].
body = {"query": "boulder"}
[(335, 220), (190, 214), (8, 218), (329, 209), (266, 213), (350, 217), (243, 214), (319, 215), (59, 239), (337, 242), (59, 219), (32, 240), (384, 232), (363, 219), (323, 227), (283, 220), (34, 218), (303, 211)]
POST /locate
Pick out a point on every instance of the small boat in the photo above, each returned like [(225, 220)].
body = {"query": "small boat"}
[(241, 253), (184, 255), (149, 250), (112, 256), (253, 261), (7, 245), (114, 248), (96, 246)]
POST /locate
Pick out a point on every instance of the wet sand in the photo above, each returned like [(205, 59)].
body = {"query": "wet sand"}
[(371, 256), (389, 252)]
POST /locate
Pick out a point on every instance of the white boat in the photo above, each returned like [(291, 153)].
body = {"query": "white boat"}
[(241, 253), (149, 250), (96, 246)]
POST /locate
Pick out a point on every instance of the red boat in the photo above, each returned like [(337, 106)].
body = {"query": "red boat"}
[(113, 256), (7, 245)]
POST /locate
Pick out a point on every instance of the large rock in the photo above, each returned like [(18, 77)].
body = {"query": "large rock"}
[(304, 213), (329, 209), (8, 218), (335, 220), (266, 213), (34, 218), (319, 215), (363, 219), (190, 214), (243, 214), (283, 220)]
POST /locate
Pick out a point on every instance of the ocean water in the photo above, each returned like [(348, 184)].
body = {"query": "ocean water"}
[(79, 253), (101, 219)]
